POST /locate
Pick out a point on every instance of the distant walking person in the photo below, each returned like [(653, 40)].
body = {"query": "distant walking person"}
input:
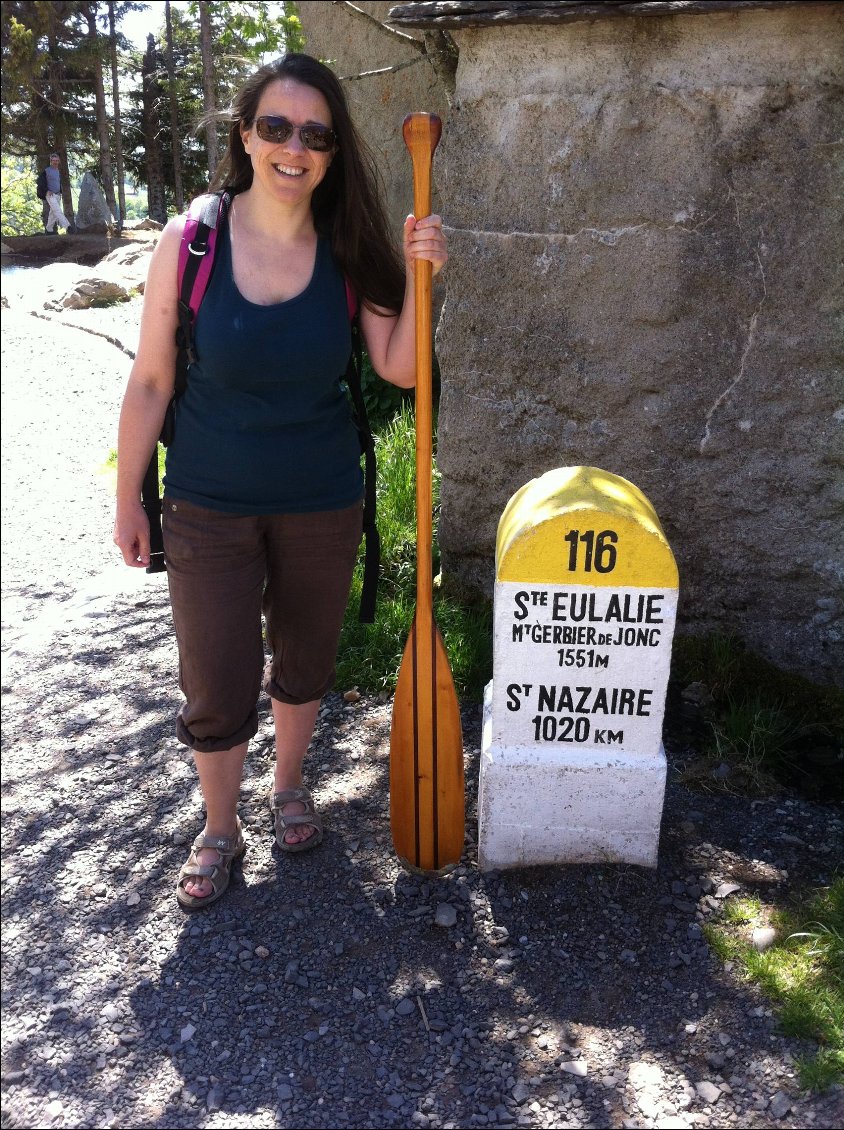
[(55, 216)]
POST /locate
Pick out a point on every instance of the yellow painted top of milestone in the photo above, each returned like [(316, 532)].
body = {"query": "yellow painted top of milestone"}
[(583, 526)]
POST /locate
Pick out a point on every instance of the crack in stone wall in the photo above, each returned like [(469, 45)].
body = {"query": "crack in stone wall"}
[(749, 337)]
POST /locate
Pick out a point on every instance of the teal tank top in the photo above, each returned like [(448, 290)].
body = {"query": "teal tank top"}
[(265, 425)]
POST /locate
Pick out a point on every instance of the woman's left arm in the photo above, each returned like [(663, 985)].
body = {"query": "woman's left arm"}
[(390, 338)]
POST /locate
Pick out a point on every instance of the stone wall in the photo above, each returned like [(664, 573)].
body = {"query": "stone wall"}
[(646, 250)]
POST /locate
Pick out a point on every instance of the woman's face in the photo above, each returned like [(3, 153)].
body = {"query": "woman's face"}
[(288, 170)]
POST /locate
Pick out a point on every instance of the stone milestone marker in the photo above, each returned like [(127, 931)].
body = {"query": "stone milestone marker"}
[(572, 762)]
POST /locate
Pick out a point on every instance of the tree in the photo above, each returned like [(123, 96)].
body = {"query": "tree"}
[(118, 135), (40, 107), (53, 95), (23, 103), (208, 87), (53, 89), (178, 191), (96, 64), (151, 125), (21, 207), (241, 34), (294, 37), (56, 72)]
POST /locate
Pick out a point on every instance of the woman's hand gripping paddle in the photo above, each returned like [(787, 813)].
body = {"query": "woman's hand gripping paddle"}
[(426, 744)]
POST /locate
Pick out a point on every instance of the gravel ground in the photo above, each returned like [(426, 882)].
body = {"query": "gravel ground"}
[(330, 989)]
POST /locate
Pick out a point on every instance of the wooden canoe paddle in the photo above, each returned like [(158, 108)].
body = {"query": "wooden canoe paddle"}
[(427, 803)]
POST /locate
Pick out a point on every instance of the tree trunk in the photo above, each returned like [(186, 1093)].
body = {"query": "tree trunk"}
[(102, 120), (118, 132), (156, 196), (56, 87), (208, 85), (178, 188)]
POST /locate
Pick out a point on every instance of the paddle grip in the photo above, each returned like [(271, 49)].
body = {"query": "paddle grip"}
[(422, 134)]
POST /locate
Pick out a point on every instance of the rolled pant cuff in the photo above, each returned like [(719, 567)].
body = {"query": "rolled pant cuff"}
[(217, 745), (277, 692)]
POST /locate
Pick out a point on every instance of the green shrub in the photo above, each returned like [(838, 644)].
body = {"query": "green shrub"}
[(370, 654)]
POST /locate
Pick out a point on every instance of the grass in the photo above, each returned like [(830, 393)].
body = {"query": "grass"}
[(732, 672), (116, 300), (370, 654), (109, 467), (802, 971), (760, 730), (752, 736), (764, 728), (383, 400)]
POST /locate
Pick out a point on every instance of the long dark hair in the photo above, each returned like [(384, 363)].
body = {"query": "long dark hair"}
[(347, 203)]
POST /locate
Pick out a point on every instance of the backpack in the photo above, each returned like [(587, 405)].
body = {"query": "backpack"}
[(206, 216), (41, 185)]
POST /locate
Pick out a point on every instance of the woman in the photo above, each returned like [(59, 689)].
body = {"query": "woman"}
[(263, 488)]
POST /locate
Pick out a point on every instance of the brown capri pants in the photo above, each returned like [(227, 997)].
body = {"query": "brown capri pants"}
[(224, 570)]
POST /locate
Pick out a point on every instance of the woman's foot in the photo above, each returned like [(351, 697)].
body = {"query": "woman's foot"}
[(298, 826), (205, 876)]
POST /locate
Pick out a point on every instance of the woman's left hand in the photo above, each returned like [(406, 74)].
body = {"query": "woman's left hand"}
[(424, 239)]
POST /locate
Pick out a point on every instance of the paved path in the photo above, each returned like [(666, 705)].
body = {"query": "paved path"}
[(329, 989)]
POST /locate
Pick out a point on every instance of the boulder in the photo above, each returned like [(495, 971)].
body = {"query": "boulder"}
[(92, 211), (114, 278), (89, 292), (130, 262)]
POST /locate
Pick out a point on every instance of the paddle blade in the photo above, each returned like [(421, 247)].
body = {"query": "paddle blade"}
[(427, 805)]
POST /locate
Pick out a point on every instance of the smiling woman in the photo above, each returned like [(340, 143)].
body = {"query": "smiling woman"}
[(263, 486)]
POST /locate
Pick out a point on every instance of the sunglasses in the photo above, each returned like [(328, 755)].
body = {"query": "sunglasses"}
[(278, 130)]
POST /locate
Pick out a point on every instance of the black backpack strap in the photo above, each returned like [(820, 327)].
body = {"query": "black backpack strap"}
[(151, 502), (205, 215), (372, 552)]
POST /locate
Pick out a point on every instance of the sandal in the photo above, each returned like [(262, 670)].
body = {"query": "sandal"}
[(284, 823), (228, 848)]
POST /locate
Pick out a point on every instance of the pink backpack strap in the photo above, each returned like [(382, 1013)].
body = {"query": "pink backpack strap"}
[(196, 251)]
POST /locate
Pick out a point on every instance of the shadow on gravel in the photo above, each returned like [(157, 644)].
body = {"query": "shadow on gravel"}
[(321, 992)]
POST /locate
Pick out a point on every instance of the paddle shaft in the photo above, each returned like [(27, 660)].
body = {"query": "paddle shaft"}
[(421, 136)]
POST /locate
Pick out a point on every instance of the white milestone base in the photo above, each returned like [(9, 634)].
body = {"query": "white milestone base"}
[(547, 804)]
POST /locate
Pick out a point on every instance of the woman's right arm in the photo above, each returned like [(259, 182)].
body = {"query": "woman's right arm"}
[(147, 395)]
